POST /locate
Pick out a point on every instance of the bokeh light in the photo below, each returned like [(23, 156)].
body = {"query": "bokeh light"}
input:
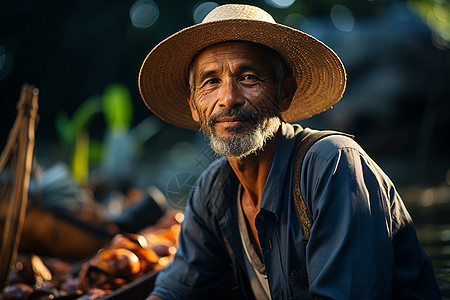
[(280, 3), (342, 18), (296, 20), (144, 13), (436, 14), (6, 63), (201, 10)]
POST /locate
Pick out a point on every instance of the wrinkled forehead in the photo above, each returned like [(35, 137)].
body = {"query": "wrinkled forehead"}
[(237, 50)]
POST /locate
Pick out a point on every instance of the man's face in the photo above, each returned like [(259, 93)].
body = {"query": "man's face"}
[(234, 97)]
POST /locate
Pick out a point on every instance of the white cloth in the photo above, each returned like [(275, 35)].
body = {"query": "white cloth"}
[(255, 267)]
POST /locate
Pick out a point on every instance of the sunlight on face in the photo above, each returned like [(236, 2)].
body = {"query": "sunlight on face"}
[(235, 97)]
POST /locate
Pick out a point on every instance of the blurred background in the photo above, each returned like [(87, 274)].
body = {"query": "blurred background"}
[(94, 130)]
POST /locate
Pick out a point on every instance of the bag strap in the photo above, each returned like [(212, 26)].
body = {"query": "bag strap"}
[(303, 143)]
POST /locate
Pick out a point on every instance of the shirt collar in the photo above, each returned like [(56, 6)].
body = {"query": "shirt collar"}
[(278, 174)]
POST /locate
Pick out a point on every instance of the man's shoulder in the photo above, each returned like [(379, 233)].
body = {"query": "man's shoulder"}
[(333, 144), (214, 168), (216, 171), (214, 186)]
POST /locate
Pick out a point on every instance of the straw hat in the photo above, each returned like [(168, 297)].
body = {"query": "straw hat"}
[(163, 79)]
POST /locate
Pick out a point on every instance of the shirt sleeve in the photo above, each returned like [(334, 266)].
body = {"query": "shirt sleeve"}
[(201, 266), (360, 226)]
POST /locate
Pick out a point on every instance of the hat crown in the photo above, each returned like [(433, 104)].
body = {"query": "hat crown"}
[(318, 71), (238, 11)]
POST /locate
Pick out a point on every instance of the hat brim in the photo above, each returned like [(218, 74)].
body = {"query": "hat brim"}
[(163, 78)]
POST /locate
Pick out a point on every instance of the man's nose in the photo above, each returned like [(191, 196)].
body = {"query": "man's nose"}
[(231, 94)]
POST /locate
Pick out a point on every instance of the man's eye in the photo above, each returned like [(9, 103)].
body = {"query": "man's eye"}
[(249, 77), (212, 81)]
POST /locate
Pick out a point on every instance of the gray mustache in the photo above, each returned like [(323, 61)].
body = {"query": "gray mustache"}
[(237, 113)]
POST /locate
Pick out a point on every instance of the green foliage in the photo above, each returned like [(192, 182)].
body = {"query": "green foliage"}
[(69, 128), (80, 158), (117, 107), (436, 14), (64, 128), (73, 132), (96, 150)]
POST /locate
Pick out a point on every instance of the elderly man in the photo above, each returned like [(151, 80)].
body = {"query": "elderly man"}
[(266, 222)]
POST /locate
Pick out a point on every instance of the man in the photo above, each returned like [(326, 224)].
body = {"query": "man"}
[(240, 77)]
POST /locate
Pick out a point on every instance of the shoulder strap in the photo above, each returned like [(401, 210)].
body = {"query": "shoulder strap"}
[(303, 143)]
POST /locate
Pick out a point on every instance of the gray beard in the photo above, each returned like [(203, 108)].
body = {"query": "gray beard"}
[(250, 143)]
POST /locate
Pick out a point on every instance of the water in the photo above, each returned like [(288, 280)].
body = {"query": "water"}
[(430, 210)]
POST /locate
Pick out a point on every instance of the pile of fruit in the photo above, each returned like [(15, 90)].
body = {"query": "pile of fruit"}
[(126, 258)]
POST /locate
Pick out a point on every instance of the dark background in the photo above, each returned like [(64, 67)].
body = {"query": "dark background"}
[(396, 102)]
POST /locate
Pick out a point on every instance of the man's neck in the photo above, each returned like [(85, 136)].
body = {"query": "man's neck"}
[(253, 170)]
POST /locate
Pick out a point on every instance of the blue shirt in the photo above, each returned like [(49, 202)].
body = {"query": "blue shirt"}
[(362, 245)]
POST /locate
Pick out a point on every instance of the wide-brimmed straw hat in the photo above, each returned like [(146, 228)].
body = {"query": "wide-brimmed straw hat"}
[(164, 75)]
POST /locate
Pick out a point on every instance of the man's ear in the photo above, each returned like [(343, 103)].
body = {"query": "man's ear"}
[(287, 92), (194, 112)]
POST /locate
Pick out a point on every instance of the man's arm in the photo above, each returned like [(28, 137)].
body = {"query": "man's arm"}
[(201, 266), (350, 252)]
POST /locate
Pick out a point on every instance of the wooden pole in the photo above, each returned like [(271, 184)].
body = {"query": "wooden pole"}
[(18, 156)]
